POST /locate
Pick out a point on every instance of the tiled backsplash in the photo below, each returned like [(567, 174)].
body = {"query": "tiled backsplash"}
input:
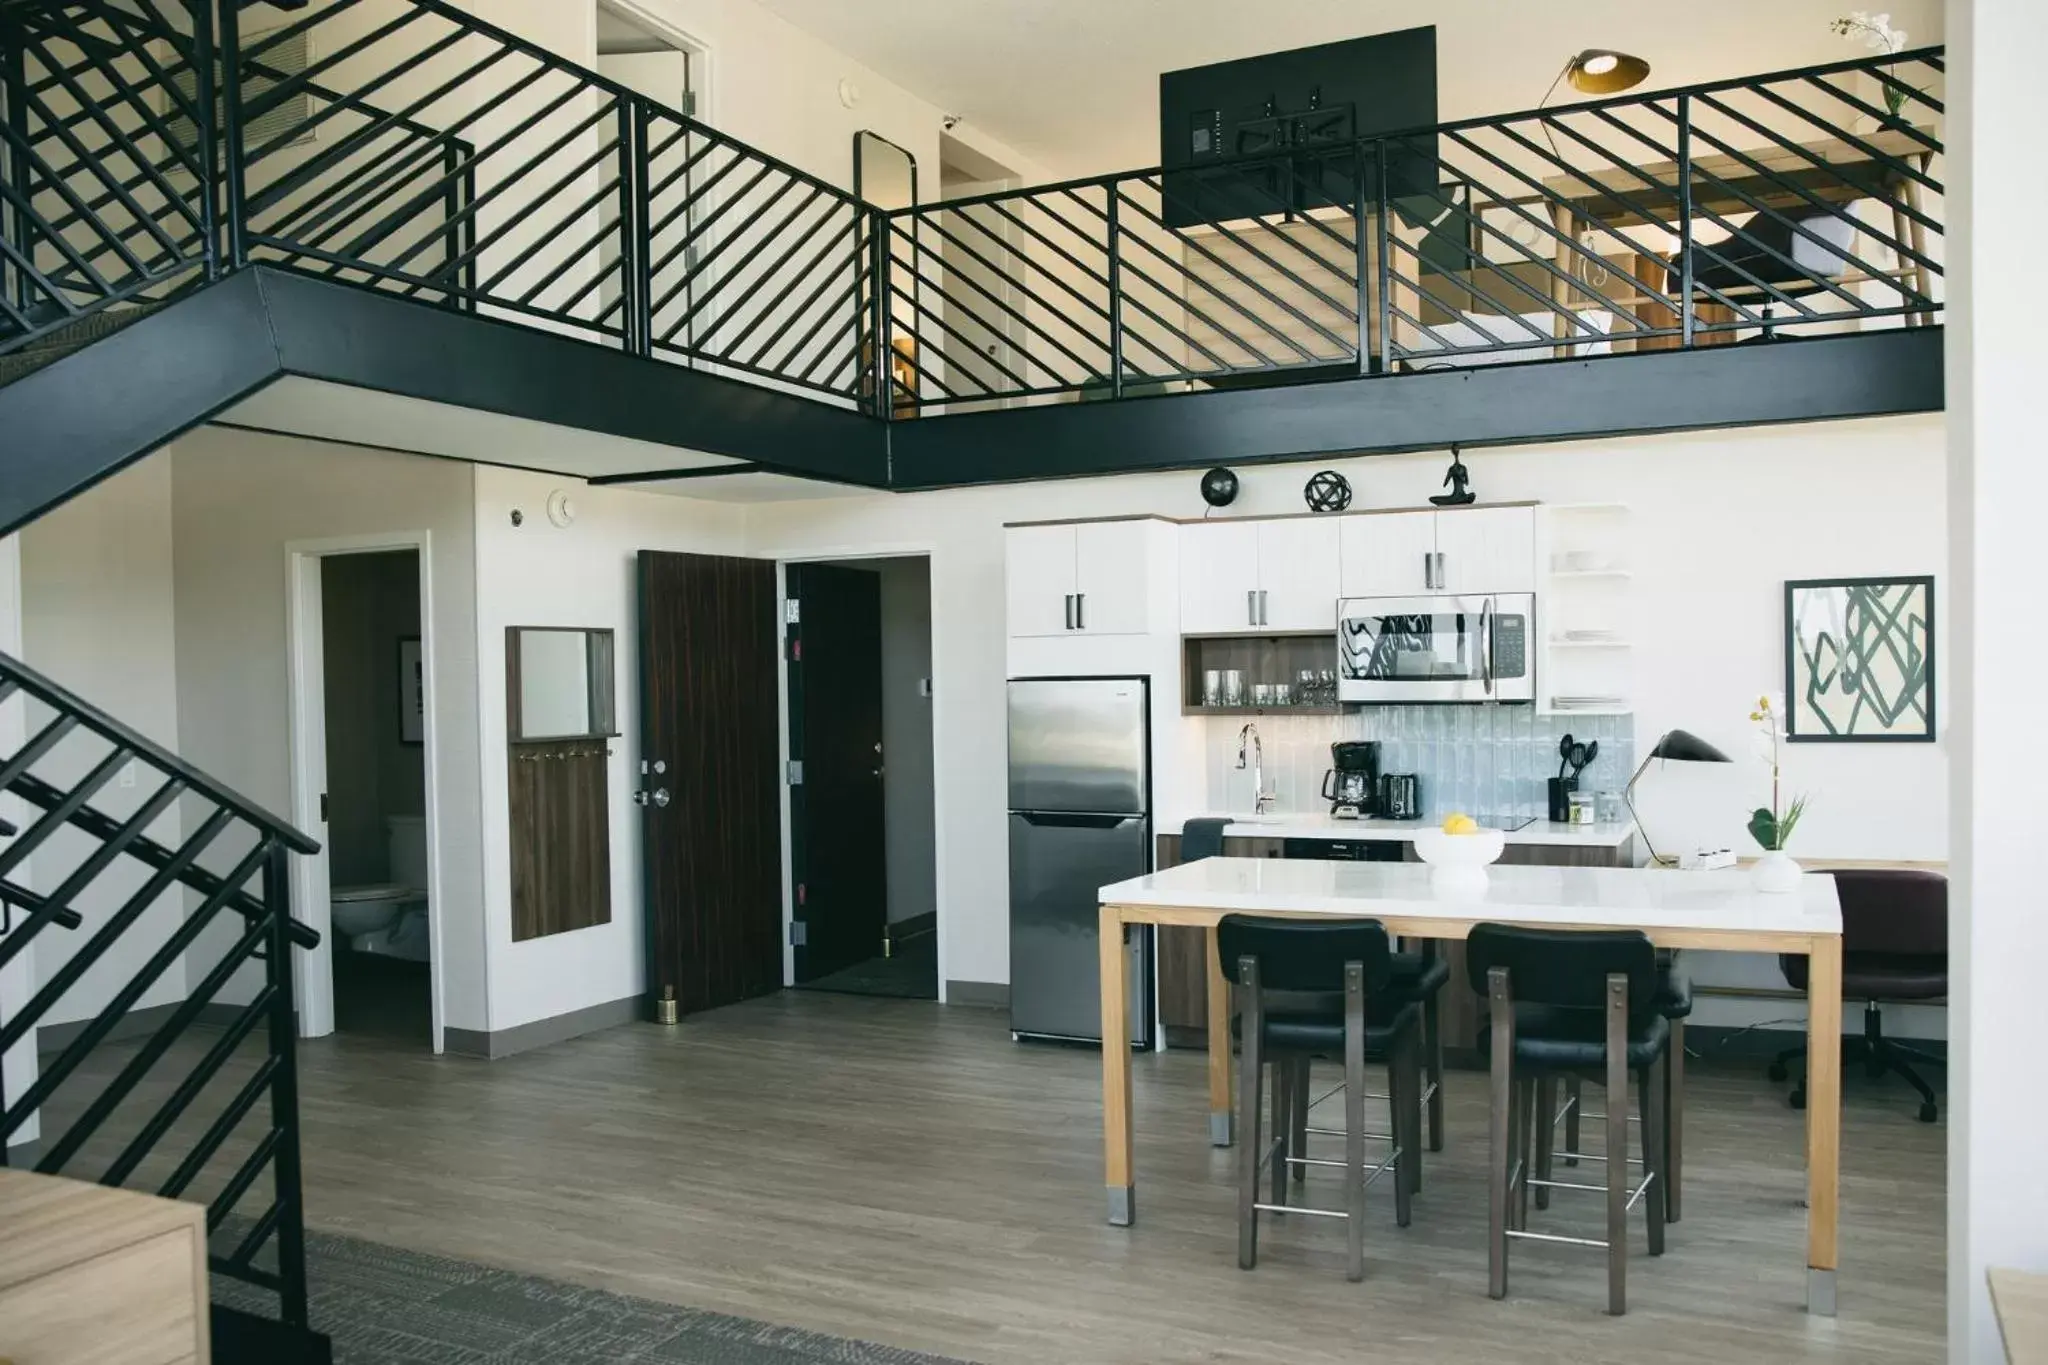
[(1486, 760)]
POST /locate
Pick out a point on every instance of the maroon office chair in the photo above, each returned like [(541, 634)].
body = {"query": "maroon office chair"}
[(1894, 948)]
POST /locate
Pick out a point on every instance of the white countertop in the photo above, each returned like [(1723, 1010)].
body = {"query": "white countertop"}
[(1321, 825), (1644, 898)]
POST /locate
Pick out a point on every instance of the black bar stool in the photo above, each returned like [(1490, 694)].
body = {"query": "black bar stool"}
[(1308, 989), (1674, 1002), (1568, 1003)]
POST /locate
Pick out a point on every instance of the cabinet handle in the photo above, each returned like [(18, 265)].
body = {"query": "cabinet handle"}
[(1251, 606), (1262, 608), (1070, 611), (1428, 570), (1441, 581)]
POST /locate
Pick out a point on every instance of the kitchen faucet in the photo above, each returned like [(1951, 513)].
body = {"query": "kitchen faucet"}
[(1261, 798)]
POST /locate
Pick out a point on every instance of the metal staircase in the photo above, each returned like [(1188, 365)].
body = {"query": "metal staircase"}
[(151, 1041)]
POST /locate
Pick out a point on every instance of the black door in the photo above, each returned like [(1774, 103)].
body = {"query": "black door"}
[(837, 855), (710, 791)]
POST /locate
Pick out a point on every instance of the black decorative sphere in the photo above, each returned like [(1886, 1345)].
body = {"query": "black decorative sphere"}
[(1327, 491), (1219, 487)]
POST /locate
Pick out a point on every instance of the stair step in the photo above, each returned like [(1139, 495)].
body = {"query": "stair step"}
[(74, 336)]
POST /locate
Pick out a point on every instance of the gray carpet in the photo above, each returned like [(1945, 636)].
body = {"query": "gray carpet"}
[(385, 1306)]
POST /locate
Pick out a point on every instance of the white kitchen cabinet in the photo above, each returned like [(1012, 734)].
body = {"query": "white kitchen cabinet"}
[(1387, 554), (1298, 573), (1038, 578), (1112, 577), (1486, 550), (1258, 574), (1416, 554), (1219, 577), (1091, 578)]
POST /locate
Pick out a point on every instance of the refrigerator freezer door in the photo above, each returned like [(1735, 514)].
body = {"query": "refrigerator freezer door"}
[(1078, 745), (1058, 864)]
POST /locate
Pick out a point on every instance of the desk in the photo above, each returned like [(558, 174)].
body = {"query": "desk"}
[(1714, 911), (1831, 170), (2021, 1302)]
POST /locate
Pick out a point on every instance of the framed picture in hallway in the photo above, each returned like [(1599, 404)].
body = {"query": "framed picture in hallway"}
[(412, 692), (1859, 659)]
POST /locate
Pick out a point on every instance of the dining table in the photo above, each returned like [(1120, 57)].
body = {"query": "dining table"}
[(1717, 911)]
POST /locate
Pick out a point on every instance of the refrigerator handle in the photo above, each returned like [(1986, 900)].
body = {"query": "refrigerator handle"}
[(1053, 819)]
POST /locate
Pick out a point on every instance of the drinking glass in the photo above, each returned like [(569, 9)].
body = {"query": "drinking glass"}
[(1212, 687), (1283, 694), (1329, 687), (1305, 688), (1262, 694), (1233, 687)]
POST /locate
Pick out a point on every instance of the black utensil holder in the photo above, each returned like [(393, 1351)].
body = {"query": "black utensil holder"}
[(1561, 789)]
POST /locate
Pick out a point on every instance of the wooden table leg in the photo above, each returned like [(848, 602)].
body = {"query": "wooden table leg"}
[(1823, 1122), (1116, 1071), (1563, 226), (1923, 281), (1219, 1045)]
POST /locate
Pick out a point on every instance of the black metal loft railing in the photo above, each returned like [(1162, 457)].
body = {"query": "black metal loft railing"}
[(1787, 204), (161, 1002), (403, 145)]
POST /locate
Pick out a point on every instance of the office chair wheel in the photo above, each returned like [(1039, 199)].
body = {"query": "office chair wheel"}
[(1797, 1099), (1778, 1071), (1927, 1111)]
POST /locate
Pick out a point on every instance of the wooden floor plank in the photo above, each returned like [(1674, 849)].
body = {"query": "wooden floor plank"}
[(905, 1173)]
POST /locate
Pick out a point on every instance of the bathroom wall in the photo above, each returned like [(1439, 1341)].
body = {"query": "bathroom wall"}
[(1484, 760), (369, 602)]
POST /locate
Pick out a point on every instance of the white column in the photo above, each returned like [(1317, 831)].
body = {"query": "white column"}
[(1998, 657), (17, 978)]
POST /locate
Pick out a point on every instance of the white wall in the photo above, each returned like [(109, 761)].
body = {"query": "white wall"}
[(538, 574), (1724, 519), (237, 499), (1998, 935), (96, 614)]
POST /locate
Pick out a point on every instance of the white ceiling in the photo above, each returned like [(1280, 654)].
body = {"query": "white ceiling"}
[(338, 412), (1074, 83)]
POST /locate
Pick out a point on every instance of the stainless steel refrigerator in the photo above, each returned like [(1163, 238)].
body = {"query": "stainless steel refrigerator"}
[(1080, 818)]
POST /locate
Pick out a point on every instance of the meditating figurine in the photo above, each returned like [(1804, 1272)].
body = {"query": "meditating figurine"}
[(1457, 477)]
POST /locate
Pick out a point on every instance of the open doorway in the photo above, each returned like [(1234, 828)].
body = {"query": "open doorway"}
[(983, 304), (362, 745), (863, 846)]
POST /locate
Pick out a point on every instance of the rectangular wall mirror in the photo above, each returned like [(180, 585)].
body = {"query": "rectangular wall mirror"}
[(560, 683)]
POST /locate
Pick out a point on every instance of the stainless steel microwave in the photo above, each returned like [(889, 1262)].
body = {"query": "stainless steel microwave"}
[(1437, 648)]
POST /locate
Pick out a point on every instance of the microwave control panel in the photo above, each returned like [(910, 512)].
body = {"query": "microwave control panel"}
[(1510, 646)]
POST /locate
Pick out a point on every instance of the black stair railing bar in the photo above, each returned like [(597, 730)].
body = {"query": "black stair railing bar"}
[(1782, 205), (100, 201), (558, 197), (179, 1107)]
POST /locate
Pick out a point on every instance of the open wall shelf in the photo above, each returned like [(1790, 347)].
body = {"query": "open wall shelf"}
[(1262, 660)]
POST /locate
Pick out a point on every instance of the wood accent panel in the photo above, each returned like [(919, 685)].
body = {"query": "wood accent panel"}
[(708, 711), (560, 798), (1824, 1113), (95, 1276)]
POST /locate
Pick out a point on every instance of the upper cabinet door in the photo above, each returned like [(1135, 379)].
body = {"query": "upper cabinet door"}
[(1298, 573), (1038, 579), (1219, 577), (1386, 555), (1112, 576), (1487, 549)]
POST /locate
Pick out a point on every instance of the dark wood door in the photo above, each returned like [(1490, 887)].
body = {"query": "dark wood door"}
[(835, 729), (712, 844)]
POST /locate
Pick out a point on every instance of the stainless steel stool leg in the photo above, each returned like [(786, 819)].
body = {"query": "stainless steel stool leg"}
[(1656, 1148), (1250, 1146), (1546, 1134), (1574, 1095), (1354, 1121), (1499, 1153), (1674, 1120), (1617, 1143)]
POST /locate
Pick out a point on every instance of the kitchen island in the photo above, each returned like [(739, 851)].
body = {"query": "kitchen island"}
[(1712, 911)]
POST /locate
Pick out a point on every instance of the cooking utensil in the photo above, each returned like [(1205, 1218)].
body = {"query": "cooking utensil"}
[(1564, 754), (1592, 752)]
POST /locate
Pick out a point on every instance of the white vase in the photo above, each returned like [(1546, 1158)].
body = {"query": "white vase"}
[(1776, 873)]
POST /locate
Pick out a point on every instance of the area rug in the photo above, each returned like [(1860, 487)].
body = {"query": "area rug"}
[(385, 1306)]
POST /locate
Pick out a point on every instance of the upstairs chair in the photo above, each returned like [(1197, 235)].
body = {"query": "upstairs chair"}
[(1770, 257), (1562, 1004), (1311, 989), (1894, 948)]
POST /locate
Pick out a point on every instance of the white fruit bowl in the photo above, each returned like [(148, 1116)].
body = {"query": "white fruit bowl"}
[(1439, 849)]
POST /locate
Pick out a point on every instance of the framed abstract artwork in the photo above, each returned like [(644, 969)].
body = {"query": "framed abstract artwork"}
[(1859, 659)]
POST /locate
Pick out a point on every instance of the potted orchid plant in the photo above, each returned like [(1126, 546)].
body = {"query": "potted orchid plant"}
[(1771, 826), (1875, 32)]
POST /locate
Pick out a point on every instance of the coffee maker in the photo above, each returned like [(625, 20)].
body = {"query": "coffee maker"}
[(1352, 786)]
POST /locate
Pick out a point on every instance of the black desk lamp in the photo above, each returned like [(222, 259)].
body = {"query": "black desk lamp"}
[(1679, 746)]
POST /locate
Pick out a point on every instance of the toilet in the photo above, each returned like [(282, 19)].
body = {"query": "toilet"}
[(390, 917)]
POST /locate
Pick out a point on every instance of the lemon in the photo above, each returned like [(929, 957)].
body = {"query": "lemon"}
[(1460, 823)]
